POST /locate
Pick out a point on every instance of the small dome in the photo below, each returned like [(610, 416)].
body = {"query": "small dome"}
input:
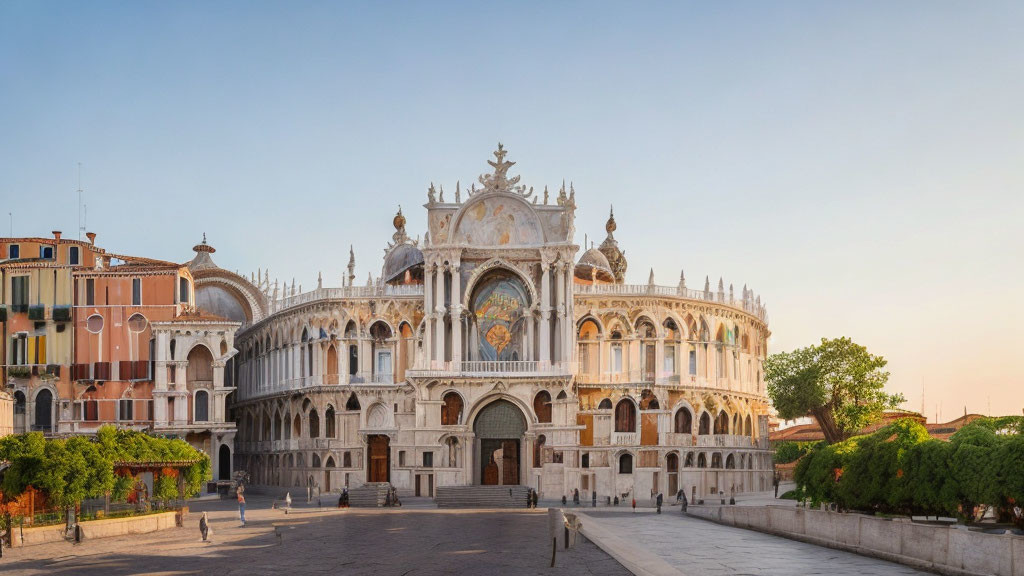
[(593, 264), (401, 258)]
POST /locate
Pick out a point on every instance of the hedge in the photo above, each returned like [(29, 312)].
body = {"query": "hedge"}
[(900, 469)]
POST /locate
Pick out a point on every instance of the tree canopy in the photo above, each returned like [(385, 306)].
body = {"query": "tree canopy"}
[(838, 382), (74, 469)]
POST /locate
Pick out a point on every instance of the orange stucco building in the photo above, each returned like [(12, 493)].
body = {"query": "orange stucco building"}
[(93, 338)]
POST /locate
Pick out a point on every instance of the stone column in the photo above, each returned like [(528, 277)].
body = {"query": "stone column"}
[(343, 362), (456, 317), (545, 313), (428, 306), (530, 334), (439, 317), (560, 314), (570, 324)]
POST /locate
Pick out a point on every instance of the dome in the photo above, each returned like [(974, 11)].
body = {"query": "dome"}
[(401, 258), (593, 264)]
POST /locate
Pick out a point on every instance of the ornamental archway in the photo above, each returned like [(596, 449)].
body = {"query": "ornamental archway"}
[(500, 430)]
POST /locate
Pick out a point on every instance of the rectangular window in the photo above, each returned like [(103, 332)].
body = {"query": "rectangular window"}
[(670, 360), (383, 367), (136, 292), (183, 290), (125, 410), (428, 459), (73, 255), (19, 294), (13, 251), (90, 292), (693, 361), (401, 457), (19, 349), (616, 359), (46, 252), (37, 350)]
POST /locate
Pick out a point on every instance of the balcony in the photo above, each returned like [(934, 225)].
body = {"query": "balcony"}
[(625, 438), (753, 307), (378, 378), (487, 368)]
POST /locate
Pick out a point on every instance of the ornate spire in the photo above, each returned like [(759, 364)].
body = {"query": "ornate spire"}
[(682, 280), (650, 279), (610, 249), (499, 181), (319, 280), (458, 193), (351, 265), (399, 222), (202, 258)]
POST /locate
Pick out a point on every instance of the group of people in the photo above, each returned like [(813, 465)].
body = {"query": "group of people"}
[(531, 498)]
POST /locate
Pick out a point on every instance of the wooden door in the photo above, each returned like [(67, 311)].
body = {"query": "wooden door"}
[(510, 462), (673, 483), (379, 458)]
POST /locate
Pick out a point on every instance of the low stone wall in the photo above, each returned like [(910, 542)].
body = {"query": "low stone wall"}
[(951, 550), (98, 528)]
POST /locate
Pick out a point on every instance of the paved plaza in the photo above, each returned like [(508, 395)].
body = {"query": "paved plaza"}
[(671, 543), (312, 541), (422, 540)]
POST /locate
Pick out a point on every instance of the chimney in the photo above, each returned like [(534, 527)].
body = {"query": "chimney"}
[(56, 235), (92, 237)]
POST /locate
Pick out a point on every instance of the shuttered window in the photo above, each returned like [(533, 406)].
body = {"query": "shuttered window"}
[(19, 293), (136, 292)]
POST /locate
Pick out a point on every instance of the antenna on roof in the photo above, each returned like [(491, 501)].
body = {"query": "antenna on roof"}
[(81, 207)]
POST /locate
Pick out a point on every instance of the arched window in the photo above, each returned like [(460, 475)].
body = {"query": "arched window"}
[(705, 424), (683, 422), (19, 402), (297, 427), (314, 424), (330, 462), (44, 411), (625, 416), (499, 309), (672, 462), (91, 405), (329, 423), (626, 464), (278, 425), (542, 406), (316, 461), (688, 463), (730, 462), (722, 423), (648, 401), (748, 429), (702, 461), (353, 403), (716, 460), (451, 410), (605, 404), (202, 406), (562, 396)]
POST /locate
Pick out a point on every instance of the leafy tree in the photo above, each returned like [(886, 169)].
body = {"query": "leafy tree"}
[(787, 452), (838, 382)]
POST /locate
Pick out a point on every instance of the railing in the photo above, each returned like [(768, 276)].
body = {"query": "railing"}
[(378, 378), (747, 305), (625, 438), (622, 377), (375, 291), (489, 367)]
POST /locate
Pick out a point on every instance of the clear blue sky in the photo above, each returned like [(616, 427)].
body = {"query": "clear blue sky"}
[(860, 164)]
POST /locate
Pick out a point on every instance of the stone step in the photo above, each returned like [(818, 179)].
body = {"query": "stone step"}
[(368, 495), (481, 496)]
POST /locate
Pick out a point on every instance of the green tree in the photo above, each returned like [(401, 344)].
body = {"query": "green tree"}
[(838, 382)]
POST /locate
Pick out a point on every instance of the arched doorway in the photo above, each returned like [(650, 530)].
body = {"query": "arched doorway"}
[(224, 462), (44, 411), (499, 430), (378, 458)]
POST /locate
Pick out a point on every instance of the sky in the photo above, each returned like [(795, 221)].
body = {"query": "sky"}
[(860, 165)]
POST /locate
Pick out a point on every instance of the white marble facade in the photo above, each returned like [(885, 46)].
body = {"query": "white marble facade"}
[(488, 354)]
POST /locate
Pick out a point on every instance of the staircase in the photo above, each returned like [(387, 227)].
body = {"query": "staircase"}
[(481, 496), (368, 495)]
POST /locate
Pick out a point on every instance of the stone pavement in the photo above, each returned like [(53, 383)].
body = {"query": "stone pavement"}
[(311, 540), (675, 544)]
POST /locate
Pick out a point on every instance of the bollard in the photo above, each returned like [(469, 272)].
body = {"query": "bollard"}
[(554, 549)]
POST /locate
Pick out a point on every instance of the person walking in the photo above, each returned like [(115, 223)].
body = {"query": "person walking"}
[(659, 500), (593, 498), (241, 505), (287, 500), (634, 504), (204, 527), (683, 510), (576, 497), (775, 482), (535, 498)]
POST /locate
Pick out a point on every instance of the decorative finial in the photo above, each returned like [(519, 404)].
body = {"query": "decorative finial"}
[(399, 220), (430, 194), (440, 196), (610, 226), (545, 195), (650, 279), (319, 280), (458, 193), (204, 237)]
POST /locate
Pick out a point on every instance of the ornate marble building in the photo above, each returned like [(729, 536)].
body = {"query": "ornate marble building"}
[(488, 354)]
